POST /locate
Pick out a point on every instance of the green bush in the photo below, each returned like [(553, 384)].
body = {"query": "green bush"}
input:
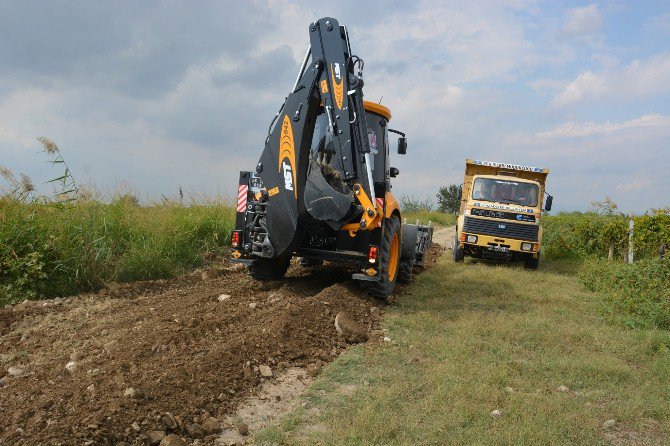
[(636, 295), (52, 249), (580, 235), (436, 217)]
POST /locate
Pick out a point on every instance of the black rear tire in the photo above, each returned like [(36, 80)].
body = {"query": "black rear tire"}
[(405, 271), (459, 255), (389, 260), (269, 269)]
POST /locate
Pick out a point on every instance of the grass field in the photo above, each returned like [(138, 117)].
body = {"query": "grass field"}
[(50, 249), (473, 338)]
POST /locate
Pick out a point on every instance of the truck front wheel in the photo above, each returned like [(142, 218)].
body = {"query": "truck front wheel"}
[(269, 269), (459, 255), (389, 262), (531, 262)]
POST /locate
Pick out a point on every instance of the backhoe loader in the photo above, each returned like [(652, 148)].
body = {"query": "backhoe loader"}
[(321, 189)]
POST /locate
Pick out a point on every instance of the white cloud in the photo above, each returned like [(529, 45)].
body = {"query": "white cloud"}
[(633, 185), (586, 85), (640, 78), (583, 129), (659, 23), (583, 21)]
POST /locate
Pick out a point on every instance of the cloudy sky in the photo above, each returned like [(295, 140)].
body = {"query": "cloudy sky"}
[(163, 94)]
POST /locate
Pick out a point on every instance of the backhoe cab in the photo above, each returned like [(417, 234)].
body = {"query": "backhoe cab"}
[(322, 187)]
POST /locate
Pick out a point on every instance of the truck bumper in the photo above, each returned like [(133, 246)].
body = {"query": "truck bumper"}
[(496, 248)]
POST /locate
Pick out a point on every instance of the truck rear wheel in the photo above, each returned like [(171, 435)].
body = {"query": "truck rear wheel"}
[(389, 262), (405, 271), (269, 269), (459, 255)]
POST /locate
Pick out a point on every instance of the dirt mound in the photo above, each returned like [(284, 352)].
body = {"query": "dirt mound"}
[(139, 361), (163, 355)]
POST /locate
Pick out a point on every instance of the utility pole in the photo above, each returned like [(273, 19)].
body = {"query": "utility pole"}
[(631, 226)]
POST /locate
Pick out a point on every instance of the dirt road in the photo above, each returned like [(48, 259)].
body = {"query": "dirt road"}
[(136, 361)]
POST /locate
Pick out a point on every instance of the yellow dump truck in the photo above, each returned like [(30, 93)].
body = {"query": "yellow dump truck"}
[(501, 205)]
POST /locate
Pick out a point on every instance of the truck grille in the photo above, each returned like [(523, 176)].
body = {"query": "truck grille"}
[(501, 229)]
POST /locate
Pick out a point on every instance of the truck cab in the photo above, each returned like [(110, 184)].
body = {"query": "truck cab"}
[(501, 206)]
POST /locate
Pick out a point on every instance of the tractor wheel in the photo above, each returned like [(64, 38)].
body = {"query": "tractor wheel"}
[(405, 271), (269, 269), (532, 263), (389, 262), (459, 255)]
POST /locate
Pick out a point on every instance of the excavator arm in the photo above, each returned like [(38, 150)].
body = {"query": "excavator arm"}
[(332, 182)]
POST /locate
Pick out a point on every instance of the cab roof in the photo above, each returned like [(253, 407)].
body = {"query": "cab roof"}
[(378, 109)]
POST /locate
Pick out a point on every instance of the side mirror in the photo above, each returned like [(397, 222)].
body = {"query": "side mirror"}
[(460, 192), (393, 172), (547, 203), (402, 145)]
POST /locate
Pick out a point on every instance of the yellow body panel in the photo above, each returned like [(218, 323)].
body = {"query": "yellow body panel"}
[(377, 108), (391, 205)]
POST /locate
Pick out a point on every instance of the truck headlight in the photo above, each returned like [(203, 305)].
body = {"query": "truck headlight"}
[(526, 246), (472, 239)]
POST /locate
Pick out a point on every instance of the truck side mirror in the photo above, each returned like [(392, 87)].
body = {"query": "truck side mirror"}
[(460, 192), (547, 203), (393, 172), (402, 145)]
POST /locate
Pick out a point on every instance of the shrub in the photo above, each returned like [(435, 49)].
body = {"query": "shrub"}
[(579, 235), (52, 249), (636, 295)]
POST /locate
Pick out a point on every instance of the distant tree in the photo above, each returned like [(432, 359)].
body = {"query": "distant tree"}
[(448, 199)]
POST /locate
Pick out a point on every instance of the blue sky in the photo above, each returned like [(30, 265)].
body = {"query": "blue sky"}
[(162, 95)]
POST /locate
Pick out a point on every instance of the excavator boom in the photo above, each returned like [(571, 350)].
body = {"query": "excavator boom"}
[(292, 174)]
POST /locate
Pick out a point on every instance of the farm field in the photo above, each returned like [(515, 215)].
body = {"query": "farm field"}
[(211, 355), (492, 354)]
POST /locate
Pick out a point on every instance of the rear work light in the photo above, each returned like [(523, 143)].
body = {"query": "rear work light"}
[(372, 254), (235, 239)]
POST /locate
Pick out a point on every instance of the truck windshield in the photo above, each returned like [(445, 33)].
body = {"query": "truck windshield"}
[(505, 191)]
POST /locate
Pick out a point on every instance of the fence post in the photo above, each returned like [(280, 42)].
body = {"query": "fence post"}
[(631, 226)]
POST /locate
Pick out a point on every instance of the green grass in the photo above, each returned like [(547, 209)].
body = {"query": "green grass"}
[(54, 249), (468, 332), (633, 295)]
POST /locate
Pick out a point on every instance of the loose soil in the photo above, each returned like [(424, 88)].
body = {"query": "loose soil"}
[(166, 355)]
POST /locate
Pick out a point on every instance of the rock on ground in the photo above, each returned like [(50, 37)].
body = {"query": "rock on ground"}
[(131, 392), (172, 440), (155, 437), (265, 370), (609, 424), (15, 371), (352, 331), (211, 426), (243, 429)]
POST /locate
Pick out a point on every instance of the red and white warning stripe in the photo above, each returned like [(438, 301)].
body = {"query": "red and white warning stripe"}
[(242, 197), (380, 204)]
